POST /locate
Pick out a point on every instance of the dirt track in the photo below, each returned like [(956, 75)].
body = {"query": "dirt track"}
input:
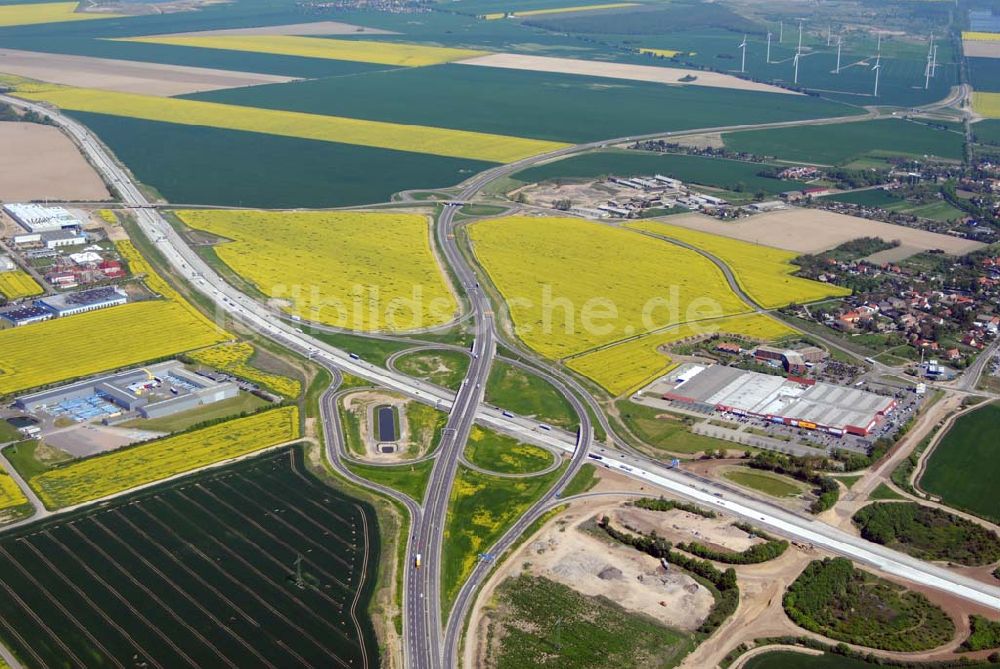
[(595, 68), (38, 162), (814, 230), (126, 76)]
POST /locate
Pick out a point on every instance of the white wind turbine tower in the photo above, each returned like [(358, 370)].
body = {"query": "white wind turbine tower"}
[(743, 48), (928, 67), (768, 48), (840, 43), (829, 34), (876, 70), (798, 54), (781, 32)]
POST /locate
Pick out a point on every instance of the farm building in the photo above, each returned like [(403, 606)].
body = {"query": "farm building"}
[(159, 390), (791, 401), (36, 218), (69, 304)]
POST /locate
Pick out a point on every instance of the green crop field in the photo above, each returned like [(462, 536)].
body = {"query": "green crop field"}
[(196, 165), (731, 175), (410, 479), (665, 431), (504, 455), (444, 368), (987, 131), (585, 479), (541, 623), (769, 484), (190, 574), (481, 509), (964, 467), (870, 197), (517, 391), (540, 105), (842, 142)]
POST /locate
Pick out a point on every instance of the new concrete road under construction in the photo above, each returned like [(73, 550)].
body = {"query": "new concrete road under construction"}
[(425, 647)]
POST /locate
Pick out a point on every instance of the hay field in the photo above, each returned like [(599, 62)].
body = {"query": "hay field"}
[(126, 76), (596, 68), (396, 54), (45, 12), (17, 283), (38, 162), (627, 367), (124, 469), (358, 270), (814, 231), (559, 10), (572, 285), (763, 272), (397, 136)]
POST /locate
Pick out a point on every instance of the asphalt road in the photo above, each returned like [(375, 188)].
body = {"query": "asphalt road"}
[(466, 404)]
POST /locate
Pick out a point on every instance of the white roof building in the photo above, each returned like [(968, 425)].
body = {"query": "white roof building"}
[(36, 218)]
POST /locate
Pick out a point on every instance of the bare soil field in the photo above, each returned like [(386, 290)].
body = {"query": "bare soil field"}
[(297, 29), (126, 76), (84, 440), (564, 553), (814, 230), (680, 527), (594, 68), (981, 48), (38, 162)]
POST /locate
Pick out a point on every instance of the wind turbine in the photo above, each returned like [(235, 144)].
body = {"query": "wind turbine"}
[(781, 32), (743, 48), (927, 67), (878, 47), (798, 54), (768, 48), (876, 70), (840, 43), (795, 60)]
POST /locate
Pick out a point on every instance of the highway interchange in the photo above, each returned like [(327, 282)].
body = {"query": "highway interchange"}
[(429, 640)]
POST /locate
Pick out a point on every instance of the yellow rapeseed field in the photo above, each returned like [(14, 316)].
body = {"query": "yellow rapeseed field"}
[(17, 283), (10, 493), (763, 272), (572, 285), (397, 136), (45, 12), (108, 216), (97, 341), (398, 54), (358, 270), (626, 367), (981, 36), (558, 10), (663, 53), (66, 348), (986, 104), (234, 357), (127, 468)]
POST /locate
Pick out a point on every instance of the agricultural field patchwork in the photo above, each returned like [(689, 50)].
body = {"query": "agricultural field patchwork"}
[(764, 272), (44, 353), (557, 10), (626, 367), (259, 563), (234, 357), (34, 13), (594, 284), (17, 283), (429, 140), (99, 476), (396, 54), (358, 270)]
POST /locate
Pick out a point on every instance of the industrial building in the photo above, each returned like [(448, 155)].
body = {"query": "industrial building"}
[(25, 315), (69, 304), (6, 264), (51, 239), (159, 390), (813, 405), (35, 218)]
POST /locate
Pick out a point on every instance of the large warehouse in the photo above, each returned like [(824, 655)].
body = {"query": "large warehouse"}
[(805, 403)]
